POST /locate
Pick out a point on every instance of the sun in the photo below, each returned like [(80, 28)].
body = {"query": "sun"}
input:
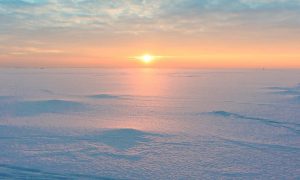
[(147, 58)]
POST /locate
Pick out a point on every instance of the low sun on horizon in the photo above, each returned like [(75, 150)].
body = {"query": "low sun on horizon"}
[(146, 58)]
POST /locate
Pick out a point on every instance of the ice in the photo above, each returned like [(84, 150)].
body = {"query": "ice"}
[(149, 124), (2, 98), (121, 138), (292, 92), (38, 107), (294, 127), (17, 172), (287, 90), (105, 96)]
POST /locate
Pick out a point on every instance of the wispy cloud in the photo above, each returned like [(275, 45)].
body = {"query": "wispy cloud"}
[(34, 50), (148, 15)]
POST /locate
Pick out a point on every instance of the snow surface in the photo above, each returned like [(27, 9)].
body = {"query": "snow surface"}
[(149, 124)]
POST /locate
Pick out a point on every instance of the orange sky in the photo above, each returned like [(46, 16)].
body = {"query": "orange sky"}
[(185, 34)]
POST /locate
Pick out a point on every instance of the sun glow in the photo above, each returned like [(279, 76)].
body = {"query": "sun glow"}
[(147, 58)]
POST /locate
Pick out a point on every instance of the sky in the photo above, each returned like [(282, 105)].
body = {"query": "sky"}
[(180, 33)]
